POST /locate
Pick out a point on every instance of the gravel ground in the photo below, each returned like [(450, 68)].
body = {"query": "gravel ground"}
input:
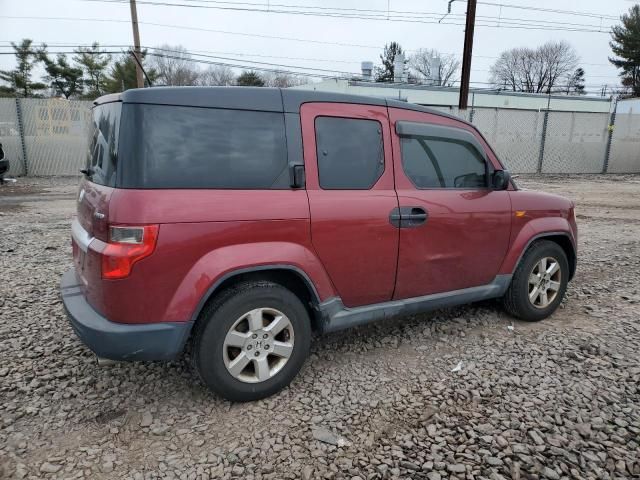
[(556, 399)]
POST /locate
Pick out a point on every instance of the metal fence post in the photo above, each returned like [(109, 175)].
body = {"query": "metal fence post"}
[(473, 107), (25, 163), (543, 140), (607, 151)]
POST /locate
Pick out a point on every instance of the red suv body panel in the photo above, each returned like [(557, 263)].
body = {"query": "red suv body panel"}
[(204, 235), (538, 214)]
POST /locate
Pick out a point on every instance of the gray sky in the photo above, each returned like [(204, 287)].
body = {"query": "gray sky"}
[(592, 47)]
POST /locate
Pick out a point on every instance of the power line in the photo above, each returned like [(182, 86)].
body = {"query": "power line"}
[(385, 13), (200, 29), (233, 63), (413, 17), (253, 67), (250, 61), (550, 10), (194, 52), (244, 65), (313, 75), (328, 60)]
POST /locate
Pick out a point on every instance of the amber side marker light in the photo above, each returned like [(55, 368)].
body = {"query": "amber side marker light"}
[(520, 213)]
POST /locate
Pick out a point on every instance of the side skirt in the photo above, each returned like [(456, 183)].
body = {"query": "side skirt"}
[(335, 316)]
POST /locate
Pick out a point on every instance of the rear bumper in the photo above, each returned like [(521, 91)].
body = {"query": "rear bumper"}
[(119, 341)]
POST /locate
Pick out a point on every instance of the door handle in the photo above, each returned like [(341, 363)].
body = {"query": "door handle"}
[(416, 215), (408, 217)]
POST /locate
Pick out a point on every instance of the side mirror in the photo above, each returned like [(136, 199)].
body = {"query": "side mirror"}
[(500, 180)]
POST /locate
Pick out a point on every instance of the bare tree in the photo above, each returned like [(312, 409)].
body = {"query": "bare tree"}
[(174, 65), (430, 66), (539, 70), (217, 75), (506, 71), (283, 79)]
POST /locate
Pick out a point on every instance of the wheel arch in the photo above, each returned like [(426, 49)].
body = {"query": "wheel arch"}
[(562, 239), (289, 276)]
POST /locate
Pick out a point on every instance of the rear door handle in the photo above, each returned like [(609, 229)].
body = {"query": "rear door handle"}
[(408, 217)]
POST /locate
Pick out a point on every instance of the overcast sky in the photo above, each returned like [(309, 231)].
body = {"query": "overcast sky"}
[(362, 39)]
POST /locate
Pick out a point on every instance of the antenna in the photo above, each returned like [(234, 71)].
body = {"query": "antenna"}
[(135, 57)]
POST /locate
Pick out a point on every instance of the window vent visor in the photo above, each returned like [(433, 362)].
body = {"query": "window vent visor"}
[(452, 134)]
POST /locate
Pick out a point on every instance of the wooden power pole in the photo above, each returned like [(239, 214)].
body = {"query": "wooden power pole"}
[(136, 44), (466, 55)]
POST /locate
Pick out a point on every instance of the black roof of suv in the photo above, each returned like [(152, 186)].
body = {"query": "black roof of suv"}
[(253, 98)]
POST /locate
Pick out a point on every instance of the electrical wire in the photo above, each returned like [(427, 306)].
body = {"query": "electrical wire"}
[(548, 10), (233, 64), (221, 60), (414, 17), (199, 29), (328, 60)]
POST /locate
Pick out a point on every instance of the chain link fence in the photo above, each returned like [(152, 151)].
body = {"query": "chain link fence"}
[(515, 135), (10, 135), (43, 137), (624, 156), (49, 137)]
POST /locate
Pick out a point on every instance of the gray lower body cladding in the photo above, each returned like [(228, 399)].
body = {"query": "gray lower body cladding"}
[(335, 316), (119, 341)]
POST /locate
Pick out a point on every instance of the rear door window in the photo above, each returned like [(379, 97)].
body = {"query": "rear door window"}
[(350, 153), (190, 147)]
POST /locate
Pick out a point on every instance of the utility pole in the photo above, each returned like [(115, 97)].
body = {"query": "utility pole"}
[(136, 43), (466, 56)]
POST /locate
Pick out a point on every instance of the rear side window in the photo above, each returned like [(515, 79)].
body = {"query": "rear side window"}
[(188, 147), (350, 153), (442, 163), (103, 143)]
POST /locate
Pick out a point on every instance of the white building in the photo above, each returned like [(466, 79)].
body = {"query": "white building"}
[(448, 96), (629, 106)]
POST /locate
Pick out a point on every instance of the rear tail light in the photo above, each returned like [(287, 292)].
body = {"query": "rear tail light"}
[(127, 245)]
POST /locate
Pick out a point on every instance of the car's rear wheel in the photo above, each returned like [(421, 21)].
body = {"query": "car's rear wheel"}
[(539, 283), (251, 341)]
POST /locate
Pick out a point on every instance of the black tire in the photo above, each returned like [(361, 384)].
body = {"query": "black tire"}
[(516, 301), (217, 320)]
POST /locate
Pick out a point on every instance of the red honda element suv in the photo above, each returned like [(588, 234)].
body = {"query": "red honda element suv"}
[(239, 220)]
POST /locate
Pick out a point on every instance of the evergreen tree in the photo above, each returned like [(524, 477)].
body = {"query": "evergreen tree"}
[(625, 44), (388, 57), (250, 79), (19, 79), (94, 62), (122, 75), (575, 83), (64, 78)]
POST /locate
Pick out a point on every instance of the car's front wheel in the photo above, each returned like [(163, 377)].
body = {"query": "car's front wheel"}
[(251, 341), (539, 283)]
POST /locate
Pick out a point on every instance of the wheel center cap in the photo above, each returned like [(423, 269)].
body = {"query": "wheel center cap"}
[(258, 342)]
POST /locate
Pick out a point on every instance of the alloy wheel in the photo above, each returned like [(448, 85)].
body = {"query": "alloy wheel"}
[(544, 282), (258, 345)]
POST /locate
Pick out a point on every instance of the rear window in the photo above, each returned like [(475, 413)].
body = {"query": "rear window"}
[(102, 157), (187, 147)]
